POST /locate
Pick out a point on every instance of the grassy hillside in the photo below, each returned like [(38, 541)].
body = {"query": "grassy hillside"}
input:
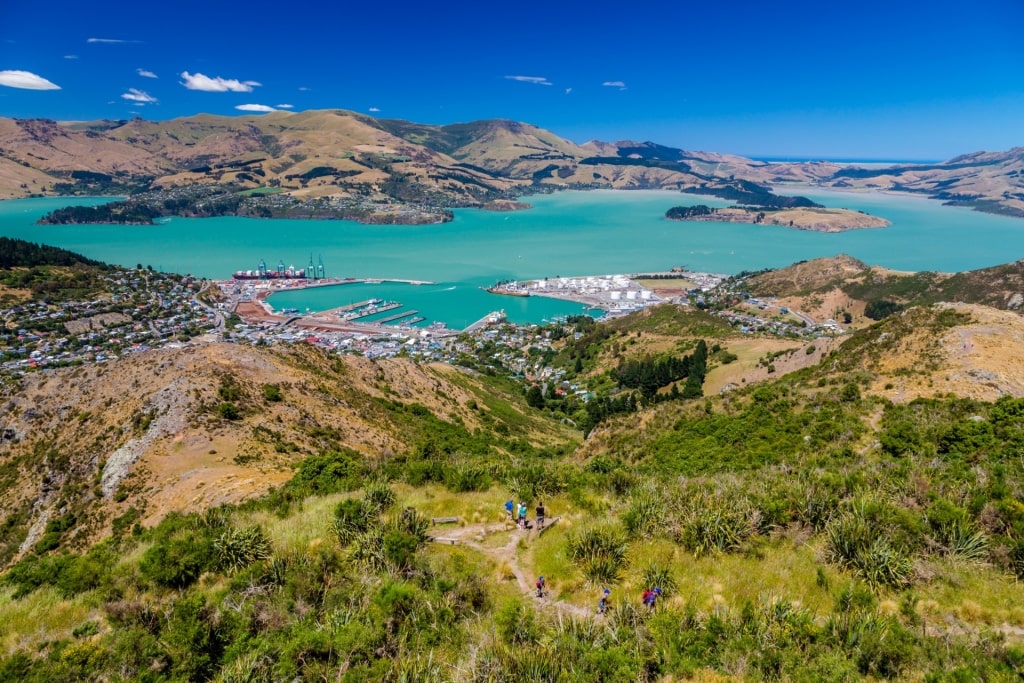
[(811, 527), (832, 286)]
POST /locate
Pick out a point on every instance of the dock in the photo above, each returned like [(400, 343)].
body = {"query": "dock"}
[(397, 316), (379, 309), (345, 309), (492, 318)]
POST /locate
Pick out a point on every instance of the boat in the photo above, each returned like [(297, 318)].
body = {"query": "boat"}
[(506, 292)]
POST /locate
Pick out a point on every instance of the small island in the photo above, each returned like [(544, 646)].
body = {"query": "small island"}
[(817, 219), (505, 205)]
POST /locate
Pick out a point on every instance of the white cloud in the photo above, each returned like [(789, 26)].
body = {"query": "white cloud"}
[(568, 90), (26, 80), (70, 56), (536, 80), (146, 73), (614, 84), (110, 41), (138, 96), (374, 109), (255, 107), (285, 106), (303, 89), (202, 82)]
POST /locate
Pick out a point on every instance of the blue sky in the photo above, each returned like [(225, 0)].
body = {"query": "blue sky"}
[(865, 79)]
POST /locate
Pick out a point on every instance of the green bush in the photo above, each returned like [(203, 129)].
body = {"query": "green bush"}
[(647, 513), (178, 562), (600, 553), (716, 523), (228, 411), (860, 541), (238, 548)]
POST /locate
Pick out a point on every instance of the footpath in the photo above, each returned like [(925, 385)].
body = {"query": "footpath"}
[(473, 536)]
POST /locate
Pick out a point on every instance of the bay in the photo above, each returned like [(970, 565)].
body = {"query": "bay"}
[(568, 233)]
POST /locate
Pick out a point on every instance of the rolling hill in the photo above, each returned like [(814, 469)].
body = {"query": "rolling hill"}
[(337, 153)]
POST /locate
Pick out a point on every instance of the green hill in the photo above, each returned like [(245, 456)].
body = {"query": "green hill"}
[(809, 527)]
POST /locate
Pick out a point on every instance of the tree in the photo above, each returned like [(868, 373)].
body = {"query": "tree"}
[(534, 397)]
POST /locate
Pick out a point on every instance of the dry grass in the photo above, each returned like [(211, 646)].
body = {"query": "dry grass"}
[(42, 615)]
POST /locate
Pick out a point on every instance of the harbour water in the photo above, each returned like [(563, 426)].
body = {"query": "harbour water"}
[(569, 233)]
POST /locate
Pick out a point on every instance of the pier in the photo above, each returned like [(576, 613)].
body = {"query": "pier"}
[(397, 316), (341, 310), (379, 309), (492, 318)]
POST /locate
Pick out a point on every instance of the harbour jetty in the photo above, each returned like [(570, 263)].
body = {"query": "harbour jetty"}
[(397, 316), (492, 318), (373, 309)]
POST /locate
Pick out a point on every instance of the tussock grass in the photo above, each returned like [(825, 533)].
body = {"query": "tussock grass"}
[(295, 533), (42, 615)]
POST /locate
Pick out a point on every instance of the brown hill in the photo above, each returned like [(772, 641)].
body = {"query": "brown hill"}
[(856, 284), (341, 153), (145, 434)]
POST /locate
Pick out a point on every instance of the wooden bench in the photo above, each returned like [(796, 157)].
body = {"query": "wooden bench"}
[(441, 539), (444, 520), (548, 523)]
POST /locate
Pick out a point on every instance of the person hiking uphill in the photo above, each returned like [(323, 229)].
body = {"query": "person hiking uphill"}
[(602, 604), (650, 598), (522, 515), (509, 505), (540, 515), (541, 585)]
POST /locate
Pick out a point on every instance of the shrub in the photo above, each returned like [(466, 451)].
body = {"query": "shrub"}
[(656, 575), (859, 541), (516, 623), (647, 513), (716, 524), (228, 411), (178, 562), (272, 393), (466, 478), (378, 497), (350, 520), (600, 552), (238, 548)]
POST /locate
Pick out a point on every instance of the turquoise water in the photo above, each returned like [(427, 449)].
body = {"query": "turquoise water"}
[(569, 233)]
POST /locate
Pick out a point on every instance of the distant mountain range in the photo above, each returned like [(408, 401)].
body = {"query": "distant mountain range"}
[(336, 153)]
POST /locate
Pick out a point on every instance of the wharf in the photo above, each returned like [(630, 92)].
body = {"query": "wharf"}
[(397, 316), (349, 307), (379, 309), (491, 318)]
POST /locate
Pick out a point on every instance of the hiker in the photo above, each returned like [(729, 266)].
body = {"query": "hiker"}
[(650, 598), (602, 604), (522, 514), (508, 510), (540, 587), (540, 515)]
